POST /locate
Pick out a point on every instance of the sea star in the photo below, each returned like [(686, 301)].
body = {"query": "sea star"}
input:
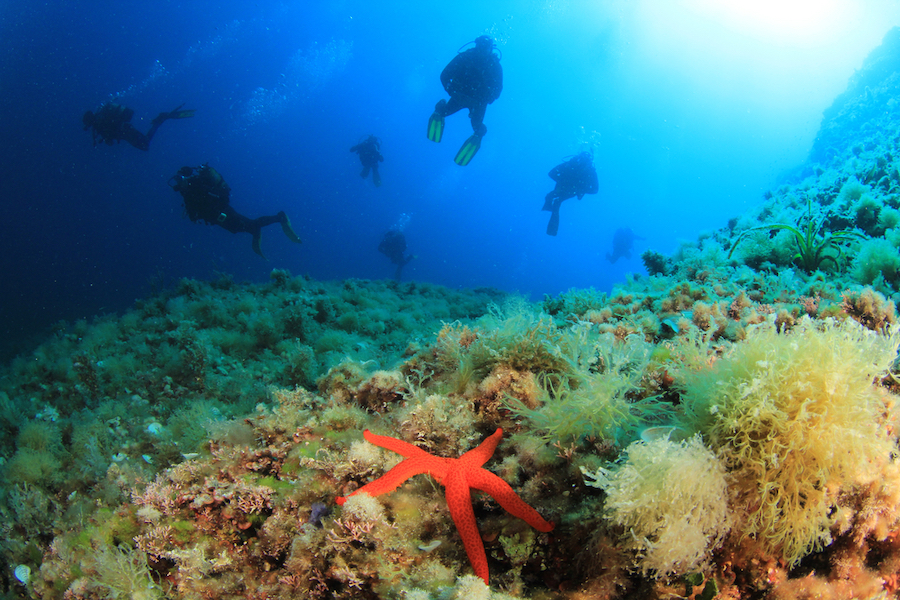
[(458, 476)]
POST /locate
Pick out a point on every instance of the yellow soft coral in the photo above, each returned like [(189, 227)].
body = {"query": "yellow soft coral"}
[(797, 417)]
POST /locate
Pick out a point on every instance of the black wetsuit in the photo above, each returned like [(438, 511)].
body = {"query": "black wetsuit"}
[(206, 199), (112, 123), (473, 79), (575, 177), (393, 245), (369, 156)]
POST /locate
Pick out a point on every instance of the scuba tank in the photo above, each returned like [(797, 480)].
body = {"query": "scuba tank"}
[(213, 181)]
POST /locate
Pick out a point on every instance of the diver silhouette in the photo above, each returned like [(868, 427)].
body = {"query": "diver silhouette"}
[(369, 156), (473, 79), (575, 177), (112, 123), (206, 199), (393, 245)]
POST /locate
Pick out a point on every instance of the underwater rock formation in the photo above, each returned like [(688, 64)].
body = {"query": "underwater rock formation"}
[(872, 96)]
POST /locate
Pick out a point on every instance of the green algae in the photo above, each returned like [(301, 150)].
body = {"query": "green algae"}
[(588, 383)]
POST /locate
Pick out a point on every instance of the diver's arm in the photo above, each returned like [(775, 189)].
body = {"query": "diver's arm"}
[(355, 148)]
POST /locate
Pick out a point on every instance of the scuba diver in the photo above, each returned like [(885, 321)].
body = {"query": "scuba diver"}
[(369, 156), (112, 123), (473, 79), (206, 197), (575, 177), (622, 243), (393, 245)]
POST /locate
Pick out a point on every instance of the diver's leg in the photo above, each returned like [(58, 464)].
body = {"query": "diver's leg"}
[(376, 178), (549, 199), (452, 106), (267, 220), (254, 228), (136, 138), (233, 221), (553, 224), (476, 116), (156, 123), (364, 173)]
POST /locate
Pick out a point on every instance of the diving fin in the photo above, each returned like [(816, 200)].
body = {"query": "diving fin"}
[(255, 245), (173, 114), (376, 178), (287, 229), (553, 225), (468, 150), (435, 127), (182, 114)]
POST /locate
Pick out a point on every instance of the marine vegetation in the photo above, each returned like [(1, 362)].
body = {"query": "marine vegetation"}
[(799, 422), (671, 499), (207, 470), (601, 397), (813, 250)]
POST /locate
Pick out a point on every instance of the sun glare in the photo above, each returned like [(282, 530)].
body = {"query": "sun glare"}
[(789, 22)]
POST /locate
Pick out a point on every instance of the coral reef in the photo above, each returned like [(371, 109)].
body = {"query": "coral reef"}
[(201, 470), (724, 427)]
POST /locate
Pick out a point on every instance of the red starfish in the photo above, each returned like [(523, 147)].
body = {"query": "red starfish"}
[(458, 476)]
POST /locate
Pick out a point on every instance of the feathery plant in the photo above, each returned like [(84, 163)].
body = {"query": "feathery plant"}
[(595, 400), (812, 249)]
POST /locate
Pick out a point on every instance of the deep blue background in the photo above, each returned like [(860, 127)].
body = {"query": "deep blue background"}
[(693, 113)]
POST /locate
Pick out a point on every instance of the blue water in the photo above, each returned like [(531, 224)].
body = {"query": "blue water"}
[(692, 114)]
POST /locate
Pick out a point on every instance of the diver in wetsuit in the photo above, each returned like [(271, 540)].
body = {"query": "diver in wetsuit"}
[(473, 79), (112, 123), (393, 245), (206, 198), (575, 177), (369, 156)]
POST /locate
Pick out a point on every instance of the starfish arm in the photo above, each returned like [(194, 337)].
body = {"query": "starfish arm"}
[(391, 480), (389, 443), (485, 450), (459, 501), (501, 491)]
